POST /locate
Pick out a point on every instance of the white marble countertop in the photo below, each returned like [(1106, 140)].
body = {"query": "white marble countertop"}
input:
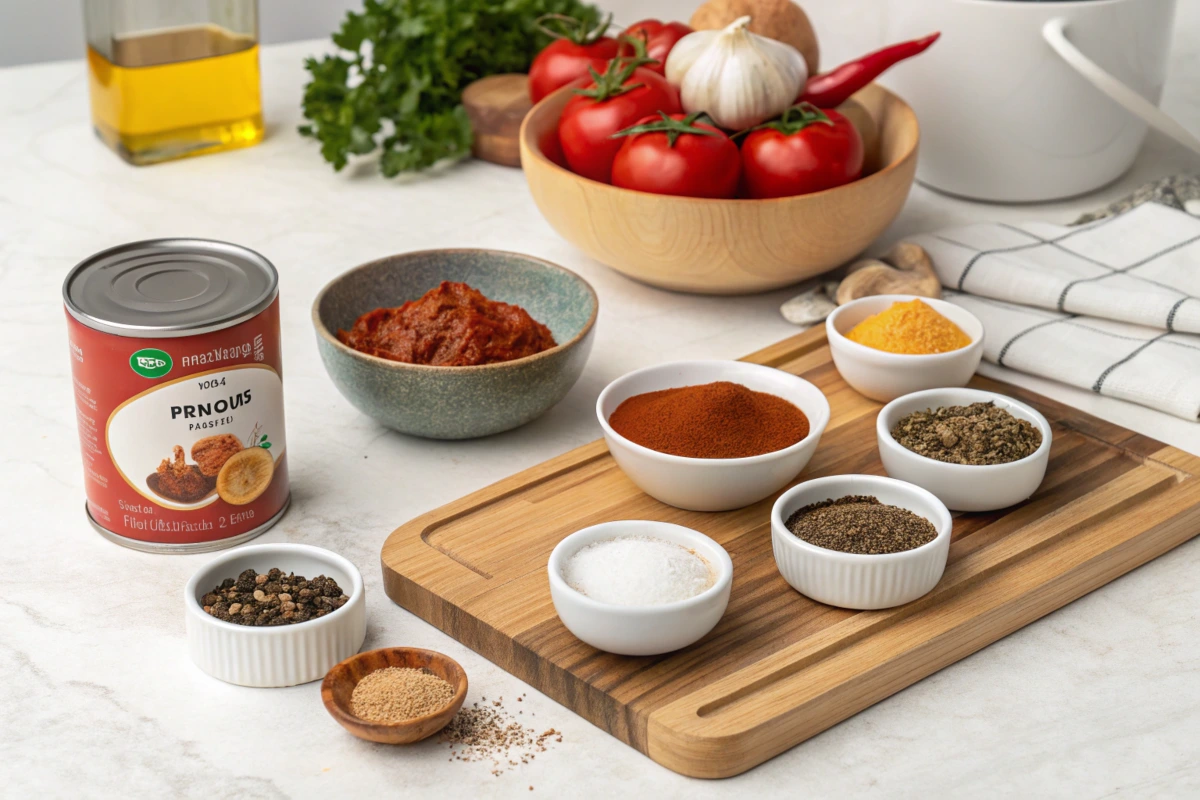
[(1099, 699)]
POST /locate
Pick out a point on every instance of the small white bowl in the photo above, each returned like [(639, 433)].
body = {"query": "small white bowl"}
[(712, 484), (640, 630), (963, 487), (885, 376), (283, 655), (851, 580)]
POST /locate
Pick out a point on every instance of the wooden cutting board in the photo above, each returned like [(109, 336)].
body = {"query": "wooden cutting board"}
[(779, 667)]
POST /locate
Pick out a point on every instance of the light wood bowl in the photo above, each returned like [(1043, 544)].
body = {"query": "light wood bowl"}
[(339, 683), (723, 246)]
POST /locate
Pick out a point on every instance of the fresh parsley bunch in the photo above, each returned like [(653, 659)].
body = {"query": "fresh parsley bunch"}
[(397, 85)]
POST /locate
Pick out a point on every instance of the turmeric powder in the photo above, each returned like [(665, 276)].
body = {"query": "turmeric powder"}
[(911, 328)]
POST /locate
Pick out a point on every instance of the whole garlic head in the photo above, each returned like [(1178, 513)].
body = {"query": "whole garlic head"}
[(737, 77)]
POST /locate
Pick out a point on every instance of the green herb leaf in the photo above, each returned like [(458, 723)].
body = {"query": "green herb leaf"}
[(395, 88)]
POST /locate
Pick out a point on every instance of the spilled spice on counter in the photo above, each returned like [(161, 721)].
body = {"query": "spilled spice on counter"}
[(711, 420), (396, 694), (488, 732), (273, 598), (978, 434), (860, 524)]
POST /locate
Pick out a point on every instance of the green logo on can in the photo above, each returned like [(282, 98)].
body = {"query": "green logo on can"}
[(150, 363)]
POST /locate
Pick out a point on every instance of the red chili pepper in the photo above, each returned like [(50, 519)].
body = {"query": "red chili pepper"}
[(831, 89)]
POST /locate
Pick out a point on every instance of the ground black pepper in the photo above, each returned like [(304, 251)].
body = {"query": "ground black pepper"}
[(272, 598), (978, 434), (860, 524)]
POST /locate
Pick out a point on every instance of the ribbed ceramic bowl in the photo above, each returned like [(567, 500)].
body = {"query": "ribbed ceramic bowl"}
[(963, 487), (712, 484), (885, 376), (721, 246), (850, 580), (284, 655), (457, 402), (640, 630)]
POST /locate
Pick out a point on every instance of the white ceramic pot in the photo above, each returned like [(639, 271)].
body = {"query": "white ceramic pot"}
[(1031, 101), (640, 630), (712, 484), (283, 655), (885, 376), (960, 486), (851, 580)]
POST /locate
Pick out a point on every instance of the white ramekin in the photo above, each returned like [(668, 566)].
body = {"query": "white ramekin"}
[(885, 376), (963, 487), (640, 630), (276, 656), (712, 484), (850, 580)]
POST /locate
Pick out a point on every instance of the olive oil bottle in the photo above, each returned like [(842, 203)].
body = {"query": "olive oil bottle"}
[(173, 79)]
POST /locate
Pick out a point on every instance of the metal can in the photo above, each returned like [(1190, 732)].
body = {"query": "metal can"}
[(175, 354)]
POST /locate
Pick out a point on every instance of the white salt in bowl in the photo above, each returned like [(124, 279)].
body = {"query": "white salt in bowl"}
[(644, 630), (854, 580), (885, 376), (712, 484)]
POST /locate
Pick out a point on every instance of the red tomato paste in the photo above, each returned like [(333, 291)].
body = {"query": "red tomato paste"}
[(453, 325)]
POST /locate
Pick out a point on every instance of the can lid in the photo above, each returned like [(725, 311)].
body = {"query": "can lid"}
[(163, 288)]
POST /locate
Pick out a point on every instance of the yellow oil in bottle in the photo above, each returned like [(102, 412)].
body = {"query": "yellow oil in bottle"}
[(177, 93)]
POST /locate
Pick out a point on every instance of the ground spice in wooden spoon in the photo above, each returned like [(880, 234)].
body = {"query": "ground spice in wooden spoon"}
[(397, 694)]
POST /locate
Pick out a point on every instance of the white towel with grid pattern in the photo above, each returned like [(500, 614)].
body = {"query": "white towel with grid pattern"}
[(1112, 306)]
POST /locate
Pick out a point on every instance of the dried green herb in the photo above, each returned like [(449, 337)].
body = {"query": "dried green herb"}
[(397, 84), (861, 524), (978, 434), (273, 598)]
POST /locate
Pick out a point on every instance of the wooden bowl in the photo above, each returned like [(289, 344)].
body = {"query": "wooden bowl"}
[(339, 683), (723, 246)]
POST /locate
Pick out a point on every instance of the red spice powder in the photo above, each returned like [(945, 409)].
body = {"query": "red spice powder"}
[(712, 420), (453, 325)]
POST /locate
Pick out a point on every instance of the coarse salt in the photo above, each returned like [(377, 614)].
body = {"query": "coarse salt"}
[(638, 571)]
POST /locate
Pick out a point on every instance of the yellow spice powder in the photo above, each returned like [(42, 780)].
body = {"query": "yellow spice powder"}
[(912, 327)]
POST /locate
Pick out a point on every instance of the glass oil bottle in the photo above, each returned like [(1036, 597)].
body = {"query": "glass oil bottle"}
[(173, 78)]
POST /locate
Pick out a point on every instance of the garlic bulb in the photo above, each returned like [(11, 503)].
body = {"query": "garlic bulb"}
[(737, 77)]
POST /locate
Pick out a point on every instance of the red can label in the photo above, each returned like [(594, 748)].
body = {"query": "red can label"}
[(183, 438)]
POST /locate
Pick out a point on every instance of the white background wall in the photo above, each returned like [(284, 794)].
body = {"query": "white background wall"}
[(52, 30)]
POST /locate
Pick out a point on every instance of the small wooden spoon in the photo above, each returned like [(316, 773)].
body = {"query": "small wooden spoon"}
[(339, 683)]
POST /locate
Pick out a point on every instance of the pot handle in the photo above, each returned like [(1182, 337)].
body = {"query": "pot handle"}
[(1055, 34)]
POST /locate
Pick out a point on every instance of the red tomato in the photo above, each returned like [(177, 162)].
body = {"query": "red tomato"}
[(807, 150), (659, 37), (625, 94), (674, 154), (563, 61)]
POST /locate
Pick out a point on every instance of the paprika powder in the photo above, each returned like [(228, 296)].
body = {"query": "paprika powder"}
[(711, 420)]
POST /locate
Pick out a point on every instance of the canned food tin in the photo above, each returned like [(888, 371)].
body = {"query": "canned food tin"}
[(178, 392)]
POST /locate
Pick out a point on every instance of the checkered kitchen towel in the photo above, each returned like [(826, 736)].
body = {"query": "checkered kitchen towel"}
[(1112, 306)]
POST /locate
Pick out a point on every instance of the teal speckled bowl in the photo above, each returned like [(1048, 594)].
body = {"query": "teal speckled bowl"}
[(457, 402)]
